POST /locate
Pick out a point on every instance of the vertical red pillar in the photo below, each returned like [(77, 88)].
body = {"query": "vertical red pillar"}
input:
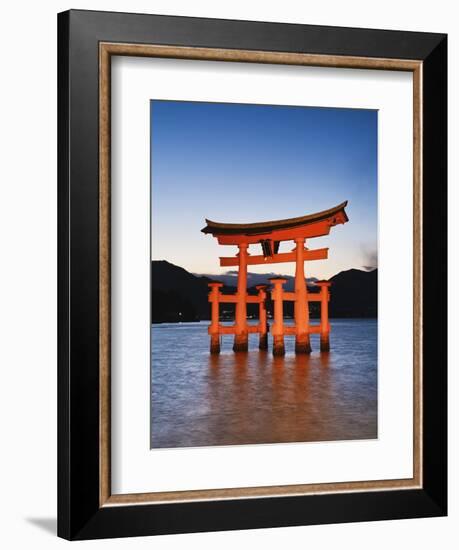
[(324, 323), (302, 340), (262, 318), (214, 327), (241, 336), (278, 326)]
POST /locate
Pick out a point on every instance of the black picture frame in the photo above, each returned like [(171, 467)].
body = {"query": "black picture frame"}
[(80, 515)]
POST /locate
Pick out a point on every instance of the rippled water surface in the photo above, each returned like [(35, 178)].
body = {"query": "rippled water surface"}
[(236, 399)]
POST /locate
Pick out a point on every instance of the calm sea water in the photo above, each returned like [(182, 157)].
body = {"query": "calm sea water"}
[(252, 398)]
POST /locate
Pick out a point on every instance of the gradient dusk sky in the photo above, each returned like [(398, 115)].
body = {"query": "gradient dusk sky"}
[(249, 163)]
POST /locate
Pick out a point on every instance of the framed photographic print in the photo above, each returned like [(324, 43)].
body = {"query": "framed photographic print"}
[(252, 274)]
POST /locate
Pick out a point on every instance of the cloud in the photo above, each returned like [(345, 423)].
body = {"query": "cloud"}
[(370, 256)]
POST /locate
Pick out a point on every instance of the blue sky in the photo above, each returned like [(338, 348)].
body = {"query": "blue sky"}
[(248, 163)]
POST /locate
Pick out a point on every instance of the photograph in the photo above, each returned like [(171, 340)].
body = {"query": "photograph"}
[(231, 232), (264, 274)]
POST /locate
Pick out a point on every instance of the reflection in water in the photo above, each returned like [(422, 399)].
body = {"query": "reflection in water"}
[(200, 399)]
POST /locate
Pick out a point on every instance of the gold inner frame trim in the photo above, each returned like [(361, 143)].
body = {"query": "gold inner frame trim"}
[(106, 51)]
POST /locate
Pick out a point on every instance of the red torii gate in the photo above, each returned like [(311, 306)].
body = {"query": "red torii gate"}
[(269, 235)]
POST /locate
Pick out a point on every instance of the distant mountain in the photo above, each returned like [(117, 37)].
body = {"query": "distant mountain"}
[(178, 295), (354, 293), (230, 278)]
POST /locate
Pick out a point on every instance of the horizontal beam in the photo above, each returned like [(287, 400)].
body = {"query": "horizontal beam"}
[(224, 329), (233, 299), (312, 297), (318, 229), (283, 257), (291, 329), (288, 330), (254, 299)]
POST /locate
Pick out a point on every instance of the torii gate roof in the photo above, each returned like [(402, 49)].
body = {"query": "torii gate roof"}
[(315, 224)]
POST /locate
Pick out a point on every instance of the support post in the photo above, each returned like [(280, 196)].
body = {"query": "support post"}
[(241, 336), (214, 327), (278, 326), (262, 318), (324, 323), (302, 340)]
